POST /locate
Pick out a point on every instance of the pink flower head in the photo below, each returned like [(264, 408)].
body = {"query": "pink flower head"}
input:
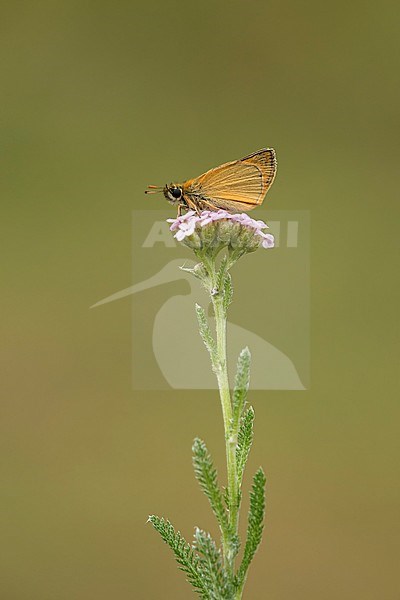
[(185, 225)]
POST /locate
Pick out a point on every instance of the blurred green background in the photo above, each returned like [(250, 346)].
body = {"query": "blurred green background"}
[(98, 100)]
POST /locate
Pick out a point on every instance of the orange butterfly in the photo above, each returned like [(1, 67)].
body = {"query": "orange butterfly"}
[(235, 186)]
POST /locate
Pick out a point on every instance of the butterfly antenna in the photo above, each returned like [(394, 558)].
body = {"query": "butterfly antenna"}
[(153, 189)]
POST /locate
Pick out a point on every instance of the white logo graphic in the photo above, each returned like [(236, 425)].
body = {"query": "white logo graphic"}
[(177, 346)]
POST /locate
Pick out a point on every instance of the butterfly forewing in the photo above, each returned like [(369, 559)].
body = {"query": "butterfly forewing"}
[(237, 185)]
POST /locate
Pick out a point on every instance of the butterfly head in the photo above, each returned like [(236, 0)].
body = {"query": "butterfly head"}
[(173, 193)]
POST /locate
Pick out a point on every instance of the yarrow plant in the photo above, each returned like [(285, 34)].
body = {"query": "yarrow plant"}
[(219, 239)]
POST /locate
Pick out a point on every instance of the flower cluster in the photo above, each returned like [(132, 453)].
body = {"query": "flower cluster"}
[(221, 229)]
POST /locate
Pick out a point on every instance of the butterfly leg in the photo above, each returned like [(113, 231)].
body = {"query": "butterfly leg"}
[(209, 205), (191, 205)]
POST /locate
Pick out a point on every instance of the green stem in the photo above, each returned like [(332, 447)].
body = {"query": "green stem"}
[(230, 440), (226, 404)]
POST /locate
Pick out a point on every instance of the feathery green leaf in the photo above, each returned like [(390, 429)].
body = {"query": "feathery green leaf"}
[(255, 525), (206, 475), (206, 335), (244, 442), (189, 561), (242, 381), (211, 562), (221, 274), (228, 291)]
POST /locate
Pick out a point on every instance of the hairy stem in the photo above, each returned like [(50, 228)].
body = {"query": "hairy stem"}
[(226, 404), (230, 440)]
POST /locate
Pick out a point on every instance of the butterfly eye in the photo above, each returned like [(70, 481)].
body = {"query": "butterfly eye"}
[(176, 192)]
